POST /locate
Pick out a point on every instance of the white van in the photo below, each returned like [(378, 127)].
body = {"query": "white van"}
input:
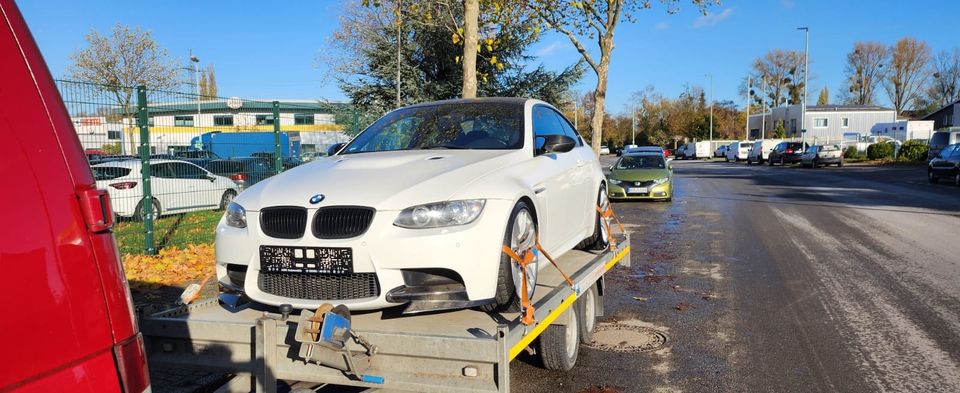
[(760, 151), (738, 150), (695, 150)]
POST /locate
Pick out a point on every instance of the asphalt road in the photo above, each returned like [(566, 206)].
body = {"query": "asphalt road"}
[(783, 279)]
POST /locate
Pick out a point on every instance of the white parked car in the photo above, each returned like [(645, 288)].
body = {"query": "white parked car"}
[(738, 150), (604, 150), (760, 151), (416, 209), (177, 187), (644, 149)]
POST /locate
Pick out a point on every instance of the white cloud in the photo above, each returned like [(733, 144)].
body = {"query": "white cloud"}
[(549, 49), (662, 26), (712, 19)]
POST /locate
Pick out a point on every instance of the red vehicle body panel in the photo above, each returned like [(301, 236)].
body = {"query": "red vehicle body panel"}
[(67, 302)]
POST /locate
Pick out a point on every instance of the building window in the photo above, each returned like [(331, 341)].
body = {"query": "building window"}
[(303, 119), (223, 120), (820, 122), (264, 120), (183, 121), (844, 122), (114, 135), (793, 126)]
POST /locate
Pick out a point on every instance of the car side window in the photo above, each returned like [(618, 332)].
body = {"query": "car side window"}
[(545, 122), (162, 171), (188, 171), (568, 129), (953, 151)]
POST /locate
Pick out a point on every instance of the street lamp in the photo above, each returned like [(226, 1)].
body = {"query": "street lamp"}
[(196, 69), (806, 72), (711, 106)]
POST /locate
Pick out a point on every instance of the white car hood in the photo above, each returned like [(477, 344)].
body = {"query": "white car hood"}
[(391, 180)]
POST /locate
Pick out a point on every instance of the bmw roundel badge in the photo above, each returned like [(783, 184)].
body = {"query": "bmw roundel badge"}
[(316, 199)]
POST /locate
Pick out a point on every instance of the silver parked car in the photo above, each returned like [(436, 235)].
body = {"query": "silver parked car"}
[(824, 155)]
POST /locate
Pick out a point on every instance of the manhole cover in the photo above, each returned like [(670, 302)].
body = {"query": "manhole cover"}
[(626, 338)]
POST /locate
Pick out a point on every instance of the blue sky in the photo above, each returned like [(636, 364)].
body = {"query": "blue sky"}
[(269, 50)]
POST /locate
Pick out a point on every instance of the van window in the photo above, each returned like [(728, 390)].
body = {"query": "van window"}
[(940, 139)]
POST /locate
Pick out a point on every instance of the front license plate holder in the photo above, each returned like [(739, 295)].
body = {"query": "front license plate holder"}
[(308, 260), (637, 190)]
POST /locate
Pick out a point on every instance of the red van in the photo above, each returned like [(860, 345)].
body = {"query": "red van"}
[(67, 321)]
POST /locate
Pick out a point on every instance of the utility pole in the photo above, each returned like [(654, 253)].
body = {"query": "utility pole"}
[(749, 87), (806, 73), (711, 107), (196, 69), (763, 108), (576, 114)]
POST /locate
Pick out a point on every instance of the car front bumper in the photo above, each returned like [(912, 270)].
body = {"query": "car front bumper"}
[(470, 251), (660, 191)]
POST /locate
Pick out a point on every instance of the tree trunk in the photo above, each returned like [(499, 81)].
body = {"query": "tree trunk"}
[(599, 98), (471, 15)]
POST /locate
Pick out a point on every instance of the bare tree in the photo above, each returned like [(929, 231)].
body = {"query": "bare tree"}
[(908, 72), (945, 86), (776, 77), (596, 20), (119, 62), (864, 71)]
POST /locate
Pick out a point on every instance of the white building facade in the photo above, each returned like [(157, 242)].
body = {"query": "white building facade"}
[(824, 123)]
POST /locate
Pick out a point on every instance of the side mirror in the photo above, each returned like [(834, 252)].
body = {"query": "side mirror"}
[(211, 178), (610, 168), (557, 144), (335, 148)]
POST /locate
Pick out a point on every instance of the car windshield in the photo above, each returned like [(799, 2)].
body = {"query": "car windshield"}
[(109, 172), (939, 139), (447, 126), (641, 162)]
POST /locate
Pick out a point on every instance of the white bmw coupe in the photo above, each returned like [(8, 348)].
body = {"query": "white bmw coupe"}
[(415, 212)]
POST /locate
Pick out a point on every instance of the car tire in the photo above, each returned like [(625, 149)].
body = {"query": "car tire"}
[(226, 199), (956, 178), (140, 215), (815, 163), (931, 177), (587, 305), (506, 297), (560, 344), (599, 240)]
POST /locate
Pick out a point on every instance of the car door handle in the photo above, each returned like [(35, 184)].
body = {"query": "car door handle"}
[(539, 189)]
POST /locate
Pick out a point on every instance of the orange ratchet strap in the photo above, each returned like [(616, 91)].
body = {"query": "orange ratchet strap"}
[(608, 214), (528, 310)]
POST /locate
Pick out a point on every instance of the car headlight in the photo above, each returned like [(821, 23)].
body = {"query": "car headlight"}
[(615, 181), (236, 216), (440, 214), (661, 180)]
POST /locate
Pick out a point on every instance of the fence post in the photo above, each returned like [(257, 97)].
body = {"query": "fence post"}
[(277, 159), (143, 121)]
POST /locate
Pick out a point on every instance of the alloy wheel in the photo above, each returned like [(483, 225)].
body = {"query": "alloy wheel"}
[(523, 239)]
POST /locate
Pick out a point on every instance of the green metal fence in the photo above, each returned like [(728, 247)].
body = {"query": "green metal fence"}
[(171, 161)]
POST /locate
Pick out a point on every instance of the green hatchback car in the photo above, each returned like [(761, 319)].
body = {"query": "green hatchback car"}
[(641, 176)]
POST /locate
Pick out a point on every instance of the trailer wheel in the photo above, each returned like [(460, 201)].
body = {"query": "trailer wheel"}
[(587, 311), (560, 344)]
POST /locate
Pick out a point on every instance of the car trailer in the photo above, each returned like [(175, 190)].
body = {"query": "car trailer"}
[(453, 351)]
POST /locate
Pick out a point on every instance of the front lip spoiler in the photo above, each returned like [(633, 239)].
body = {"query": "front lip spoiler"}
[(421, 299)]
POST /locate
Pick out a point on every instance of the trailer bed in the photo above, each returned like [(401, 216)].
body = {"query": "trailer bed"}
[(463, 350)]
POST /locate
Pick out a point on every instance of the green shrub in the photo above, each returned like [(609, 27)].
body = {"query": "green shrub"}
[(879, 151), (851, 152), (914, 150)]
